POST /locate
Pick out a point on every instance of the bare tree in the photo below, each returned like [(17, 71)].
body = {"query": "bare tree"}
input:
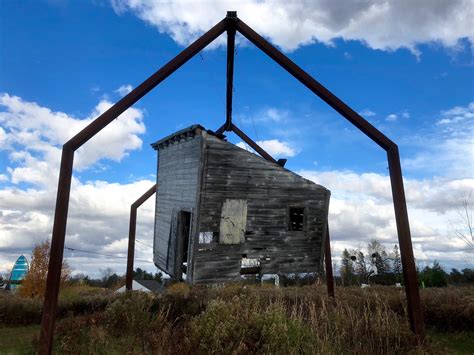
[(463, 226)]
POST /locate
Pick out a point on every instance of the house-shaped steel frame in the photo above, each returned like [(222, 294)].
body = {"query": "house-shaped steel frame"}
[(230, 24)]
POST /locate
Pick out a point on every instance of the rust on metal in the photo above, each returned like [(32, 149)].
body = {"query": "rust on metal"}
[(64, 183), (328, 265), (231, 19), (132, 232), (406, 249), (251, 143)]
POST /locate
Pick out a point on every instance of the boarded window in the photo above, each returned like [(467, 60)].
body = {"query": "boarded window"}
[(233, 222), (296, 219)]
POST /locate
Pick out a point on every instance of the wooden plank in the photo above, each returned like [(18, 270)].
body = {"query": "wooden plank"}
[(233, 173)]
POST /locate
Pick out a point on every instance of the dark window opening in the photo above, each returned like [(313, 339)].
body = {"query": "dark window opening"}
[(296, 220)]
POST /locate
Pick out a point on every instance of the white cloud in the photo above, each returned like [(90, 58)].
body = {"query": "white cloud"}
[(31, 136), (124, 90), (391, 118), (457, 114), (386, 25), (267, 115), (98, 222), (34, 134), (367, 113), (274, 147), (449, 148), (395, 116), (361, 209)]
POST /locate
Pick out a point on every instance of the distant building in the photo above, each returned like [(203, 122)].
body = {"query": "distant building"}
[(18, 273), (222, 212), (144, 286)]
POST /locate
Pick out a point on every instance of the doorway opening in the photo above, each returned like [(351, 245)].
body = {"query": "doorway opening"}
[(184, 230)]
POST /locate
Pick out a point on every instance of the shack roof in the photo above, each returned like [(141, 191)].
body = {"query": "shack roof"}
[(180, 135)]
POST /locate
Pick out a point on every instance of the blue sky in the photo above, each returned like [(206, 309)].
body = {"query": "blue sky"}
[(68, 59)]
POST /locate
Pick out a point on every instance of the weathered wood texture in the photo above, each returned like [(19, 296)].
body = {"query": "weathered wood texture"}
[(233, 173), (178, 172)]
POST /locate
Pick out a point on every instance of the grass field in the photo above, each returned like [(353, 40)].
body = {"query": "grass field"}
[(242, 319), (18, 340)]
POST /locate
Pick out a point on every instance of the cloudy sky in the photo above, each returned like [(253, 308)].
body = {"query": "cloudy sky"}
[(406, 66)]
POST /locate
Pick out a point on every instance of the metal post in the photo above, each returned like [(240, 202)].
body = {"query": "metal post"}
[(131, 235), (328, 265), (131, 248), (56, 253), (65, 176), (410, 276), (231, 18)]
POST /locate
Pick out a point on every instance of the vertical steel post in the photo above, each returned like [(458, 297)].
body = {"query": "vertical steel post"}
[(328, 265), (410, 276), (131, 248), (231, 18), (56, 253), (131, 235)]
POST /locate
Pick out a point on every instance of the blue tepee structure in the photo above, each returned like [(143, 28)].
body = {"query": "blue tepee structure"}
[(19, 271)]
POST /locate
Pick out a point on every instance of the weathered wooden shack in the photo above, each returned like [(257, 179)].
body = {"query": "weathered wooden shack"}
[(222, 211)]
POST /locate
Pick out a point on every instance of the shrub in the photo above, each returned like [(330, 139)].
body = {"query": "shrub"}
[(129, 314), (16, 310)]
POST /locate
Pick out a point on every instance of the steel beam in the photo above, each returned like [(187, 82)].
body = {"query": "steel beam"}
[(65, 176), (410, 277), (231, 19), (132, 233), (313, 85), (396, 179), (251, 143), (328, 265), (56, 252)]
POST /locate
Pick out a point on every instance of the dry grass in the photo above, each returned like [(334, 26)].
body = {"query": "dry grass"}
[(239, 319)]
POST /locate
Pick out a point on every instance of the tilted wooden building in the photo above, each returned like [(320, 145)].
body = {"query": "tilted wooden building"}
[(222, 211)]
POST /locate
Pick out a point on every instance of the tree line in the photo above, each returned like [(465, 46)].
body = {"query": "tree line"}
[(382, 267)]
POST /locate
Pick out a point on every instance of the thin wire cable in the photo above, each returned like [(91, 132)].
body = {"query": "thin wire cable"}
[(235, 91), (212, 75), (139, 241), (107, 255)]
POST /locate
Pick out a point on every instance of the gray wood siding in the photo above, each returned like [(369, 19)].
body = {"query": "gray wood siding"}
[(179, 168), (233, 173)]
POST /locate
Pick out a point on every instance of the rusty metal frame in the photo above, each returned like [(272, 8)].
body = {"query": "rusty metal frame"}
[(328, 265), (131, 235), (228, 24)]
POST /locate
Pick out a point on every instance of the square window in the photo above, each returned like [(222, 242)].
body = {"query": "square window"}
[(296, 219), (207, 237)]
